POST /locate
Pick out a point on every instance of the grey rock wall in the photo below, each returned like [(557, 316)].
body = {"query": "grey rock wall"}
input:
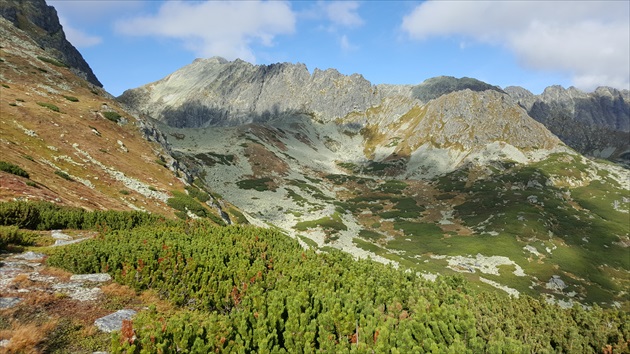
[(41, 22), (595, 123)]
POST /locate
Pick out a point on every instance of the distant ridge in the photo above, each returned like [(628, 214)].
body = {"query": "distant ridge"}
[(437, 86)]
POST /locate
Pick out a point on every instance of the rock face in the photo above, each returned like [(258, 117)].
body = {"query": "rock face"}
[(217, 92), (41, 22), (435, 87), (596, 123)]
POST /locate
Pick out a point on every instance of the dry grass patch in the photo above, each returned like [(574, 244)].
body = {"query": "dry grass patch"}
[(21, 281), (57, 273), (150, 297), (28, 338)]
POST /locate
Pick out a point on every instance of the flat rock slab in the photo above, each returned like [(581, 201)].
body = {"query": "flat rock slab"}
[(8, 302), (76, 291), (97, 277), (30, 256), (113, 322), (59, 235), (68, 242)]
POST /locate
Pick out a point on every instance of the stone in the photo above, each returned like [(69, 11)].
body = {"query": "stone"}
[(8, 302), (555, 283), (97, 278), (113, 322), (59, 235), (30, 256)]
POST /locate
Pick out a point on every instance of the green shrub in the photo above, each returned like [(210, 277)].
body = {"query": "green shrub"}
[(63, 175), (198, 194), (31, 184), (259, 184), (13, 169), (13, 235), (48, 216), (6, 86), (50, 106), (71, 98), (183, 202), (124, 192), (113, 116), (52, 61)]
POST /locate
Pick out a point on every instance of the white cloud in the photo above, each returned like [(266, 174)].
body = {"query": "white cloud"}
[(226, 29), (588, 40), (343, 13), (77, 37)]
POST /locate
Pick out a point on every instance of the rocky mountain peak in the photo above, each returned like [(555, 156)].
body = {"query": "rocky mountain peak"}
[(595, 123), (217, 92), (437, 86), (41, 23)]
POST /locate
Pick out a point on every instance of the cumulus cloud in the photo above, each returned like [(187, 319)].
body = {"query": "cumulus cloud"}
[(226, 29), (588, 40), (77, 37), (343, 13)]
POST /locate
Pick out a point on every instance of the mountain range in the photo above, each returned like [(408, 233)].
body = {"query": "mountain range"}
[(511, 189)]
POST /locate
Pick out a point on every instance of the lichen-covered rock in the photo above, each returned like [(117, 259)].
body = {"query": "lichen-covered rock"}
[(113, 322)]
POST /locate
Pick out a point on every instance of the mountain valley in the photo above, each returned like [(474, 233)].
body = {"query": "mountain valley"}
[(226, 191)]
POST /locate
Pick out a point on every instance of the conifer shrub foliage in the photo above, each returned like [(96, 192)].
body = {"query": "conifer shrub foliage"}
[(245, 289), (13, 169), (48, 216), (13, 235)]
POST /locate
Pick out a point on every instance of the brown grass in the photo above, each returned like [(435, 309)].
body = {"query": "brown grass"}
[(117, 290), (29, 338), (56, 272), (21, 281)]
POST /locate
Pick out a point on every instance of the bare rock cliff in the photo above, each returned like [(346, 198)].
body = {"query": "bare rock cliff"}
[(217, 92), (41, 23), (596, 123)]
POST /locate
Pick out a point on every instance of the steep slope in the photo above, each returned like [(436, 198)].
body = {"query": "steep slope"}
[(596, 123), (41, 23), (77, 145)]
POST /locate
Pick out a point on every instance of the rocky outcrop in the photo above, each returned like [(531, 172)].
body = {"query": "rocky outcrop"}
[(438, 86), (596, 123), (41, 23), (471, 120), (217, 92)]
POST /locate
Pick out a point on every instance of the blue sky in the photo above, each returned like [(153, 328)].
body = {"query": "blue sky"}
[(532, 44)]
